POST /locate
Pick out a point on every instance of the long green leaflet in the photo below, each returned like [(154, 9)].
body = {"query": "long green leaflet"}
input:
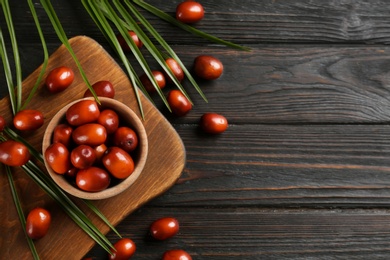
[(45, 54), (164, 16), (63, 38)]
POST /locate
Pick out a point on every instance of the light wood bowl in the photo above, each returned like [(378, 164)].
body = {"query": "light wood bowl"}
[(128, 118)]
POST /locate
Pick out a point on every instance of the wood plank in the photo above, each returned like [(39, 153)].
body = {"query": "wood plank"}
[(284, 166), (245, 22), (301, 84), (269, 21), (258, 233), (292, 84)]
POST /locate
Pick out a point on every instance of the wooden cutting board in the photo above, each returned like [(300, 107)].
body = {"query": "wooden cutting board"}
[(164, 165)]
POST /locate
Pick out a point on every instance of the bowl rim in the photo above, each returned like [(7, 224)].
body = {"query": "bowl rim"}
[(137, 125)]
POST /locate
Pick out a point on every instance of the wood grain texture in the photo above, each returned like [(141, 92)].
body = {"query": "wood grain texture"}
[(296, 85), (163, 167), (291, 85), (265, 21), (300, 84), (253, 233), (303, 170), (270, 21), (284, 166), (245, 22)]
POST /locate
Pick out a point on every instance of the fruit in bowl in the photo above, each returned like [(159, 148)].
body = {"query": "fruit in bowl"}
[(95, 151)]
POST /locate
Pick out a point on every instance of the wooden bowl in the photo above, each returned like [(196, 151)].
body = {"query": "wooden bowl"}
[(127, 118)]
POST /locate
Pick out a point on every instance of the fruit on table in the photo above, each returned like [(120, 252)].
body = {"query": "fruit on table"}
[(213, 123), (82, 112), (125, 138), (57, 156), (109, 119), (13, 153), (158, 76), (28, 119), (92, 134), (164, 228), (174, 66), (100, 151), (176, 254), (92, 179), (59, 79), (83, 156), (38, 223), (189, 12), (207, 67), (178, 103), (62, 134), (124, 249), (71, 173), (124, 44), (118, 162), (2, 123), (103, 88)]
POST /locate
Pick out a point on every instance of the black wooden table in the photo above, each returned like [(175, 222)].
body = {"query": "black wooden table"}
[(303, 170)]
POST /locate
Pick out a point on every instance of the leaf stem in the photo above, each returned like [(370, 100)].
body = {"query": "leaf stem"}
[(63, 200), (146, 41), (19, 209), (101, 216), (45, 54), (8, 74), (13, 135), (63, 38), (66, 204), (164, 16), (18, 67), (170, 51), (94, 9)]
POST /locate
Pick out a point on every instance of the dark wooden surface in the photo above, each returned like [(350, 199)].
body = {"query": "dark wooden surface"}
[(303, 171)]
